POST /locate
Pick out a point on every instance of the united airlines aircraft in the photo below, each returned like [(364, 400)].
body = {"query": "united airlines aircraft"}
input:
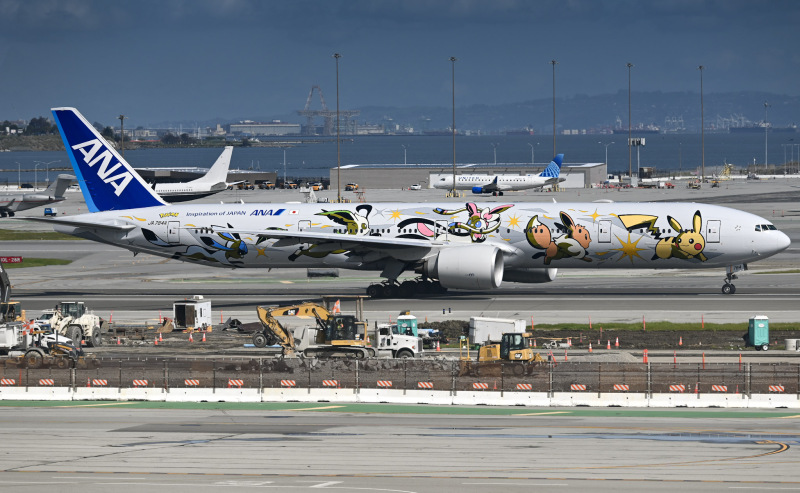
[(497, 184), (468, 245)]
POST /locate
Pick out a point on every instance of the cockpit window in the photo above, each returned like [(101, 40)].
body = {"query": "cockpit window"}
[(766, 227)]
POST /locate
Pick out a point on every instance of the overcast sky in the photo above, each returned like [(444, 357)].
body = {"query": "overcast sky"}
[(159, 60)]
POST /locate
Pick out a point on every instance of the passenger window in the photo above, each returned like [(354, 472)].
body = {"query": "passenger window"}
[(758, 227)]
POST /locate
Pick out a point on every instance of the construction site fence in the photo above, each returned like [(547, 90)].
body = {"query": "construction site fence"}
[(410, 374)]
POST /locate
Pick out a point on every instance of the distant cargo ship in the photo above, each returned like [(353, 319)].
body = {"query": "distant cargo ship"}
[(759, 129), (520, 131), (640, 129)]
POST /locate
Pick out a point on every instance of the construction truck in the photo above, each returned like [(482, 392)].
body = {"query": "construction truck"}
[(34, 348), (333, 335), (513, 347), (71, 320)]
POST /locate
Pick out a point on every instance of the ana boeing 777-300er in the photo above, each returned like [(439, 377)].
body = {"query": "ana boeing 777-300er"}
[(472, 246), (208, 184), (497, 184), (13, 202)]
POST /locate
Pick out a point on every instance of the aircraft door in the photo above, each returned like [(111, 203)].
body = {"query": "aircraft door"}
[(712, 230), (173, 232), (604, 231), (303, 225)]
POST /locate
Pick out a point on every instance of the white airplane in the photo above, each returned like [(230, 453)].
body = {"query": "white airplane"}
[(13, 202), (473, 246), (209, 184), (497, 184)]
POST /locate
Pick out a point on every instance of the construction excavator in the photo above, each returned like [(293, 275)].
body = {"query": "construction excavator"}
[(334, 335)]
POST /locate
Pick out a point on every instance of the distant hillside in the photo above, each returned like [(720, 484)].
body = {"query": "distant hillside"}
[(31, 143), (587, 112)]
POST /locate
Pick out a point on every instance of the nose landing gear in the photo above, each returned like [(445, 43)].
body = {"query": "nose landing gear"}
[(730, 275)]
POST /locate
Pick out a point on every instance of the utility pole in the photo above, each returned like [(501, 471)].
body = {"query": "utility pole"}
[(453, 61), (338, 141), (766, 133), (554, 63), (630, 154), (702, 129), (122, 134)]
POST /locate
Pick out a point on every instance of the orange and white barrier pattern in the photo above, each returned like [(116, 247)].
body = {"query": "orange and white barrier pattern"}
[(424, 385), (191, 383), (235, 383), (140, 383), (777, 388), (719, 388), (577, 386), (524, 386), (622, 387), (480, 386), (386, 384), (677, 388), (330, 383), (7, 381), (288, 383), (46, 382)]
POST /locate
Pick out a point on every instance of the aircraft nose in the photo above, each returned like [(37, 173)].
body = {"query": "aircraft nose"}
[(782, 242)]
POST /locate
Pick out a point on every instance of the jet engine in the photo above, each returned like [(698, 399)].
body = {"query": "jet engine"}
[(477, 189), (467, 267), (530, 276)]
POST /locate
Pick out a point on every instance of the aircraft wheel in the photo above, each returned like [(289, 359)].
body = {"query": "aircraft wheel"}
[(500, 193), (728, 288), (390, 290), (407, 289), (10, 214), (373, 291)]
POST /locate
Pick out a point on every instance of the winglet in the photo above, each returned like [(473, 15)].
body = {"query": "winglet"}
[(106, 180), (554, 168)]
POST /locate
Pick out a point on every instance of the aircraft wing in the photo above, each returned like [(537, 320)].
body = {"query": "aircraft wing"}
[(488, 188), (113, 225)]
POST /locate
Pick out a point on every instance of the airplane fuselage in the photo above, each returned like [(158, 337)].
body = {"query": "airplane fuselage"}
[(529, 235), (504, 182)]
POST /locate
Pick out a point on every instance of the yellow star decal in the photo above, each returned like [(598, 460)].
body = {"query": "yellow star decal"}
[(513, 221), (395, 215), (594, 215), (261, 251), (629, 249)]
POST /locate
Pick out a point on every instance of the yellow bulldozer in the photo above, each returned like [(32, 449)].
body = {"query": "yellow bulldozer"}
[(513, 347)]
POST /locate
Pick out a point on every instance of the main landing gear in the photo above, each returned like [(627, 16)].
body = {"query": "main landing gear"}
[(405, 289), (730, 275)]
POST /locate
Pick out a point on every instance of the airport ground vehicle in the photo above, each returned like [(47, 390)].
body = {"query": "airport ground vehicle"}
[(351, 187), (71, 320), (266, 185), (50, 211), (10, 311)]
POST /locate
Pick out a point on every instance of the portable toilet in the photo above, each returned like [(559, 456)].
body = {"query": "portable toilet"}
[(193, 313), (758, 332)]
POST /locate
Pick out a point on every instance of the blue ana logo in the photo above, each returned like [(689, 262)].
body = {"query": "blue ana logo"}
[(267, 212), (91, 158)]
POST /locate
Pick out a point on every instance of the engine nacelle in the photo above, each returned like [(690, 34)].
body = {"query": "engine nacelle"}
[(477, 189), (467, 267), (530, 276)]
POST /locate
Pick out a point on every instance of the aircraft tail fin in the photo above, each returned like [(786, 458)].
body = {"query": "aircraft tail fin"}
[(553, 170), (218, 173), (58, 187), (107, 181)]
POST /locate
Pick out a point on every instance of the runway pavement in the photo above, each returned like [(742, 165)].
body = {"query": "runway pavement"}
[(128, 446)]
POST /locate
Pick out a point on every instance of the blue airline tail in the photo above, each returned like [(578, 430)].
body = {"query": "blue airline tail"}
[(554, 168), (106, 180)]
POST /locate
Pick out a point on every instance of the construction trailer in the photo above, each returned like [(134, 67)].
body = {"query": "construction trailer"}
[(194, 313)]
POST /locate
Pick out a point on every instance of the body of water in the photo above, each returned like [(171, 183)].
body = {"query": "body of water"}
[(314, 159)]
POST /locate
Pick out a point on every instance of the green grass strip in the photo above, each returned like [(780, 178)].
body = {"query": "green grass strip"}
[(20, 235), (37, 262)]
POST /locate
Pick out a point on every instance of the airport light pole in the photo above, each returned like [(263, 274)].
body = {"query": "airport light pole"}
[(554, 63), (35, 175), (122, 134), (606, 152), (337, 56), (19, 176), (47, 168), (766, 133), (453, 78), (533, 154), (630, 152), (405, 159), (702, 129), (494, 148)]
